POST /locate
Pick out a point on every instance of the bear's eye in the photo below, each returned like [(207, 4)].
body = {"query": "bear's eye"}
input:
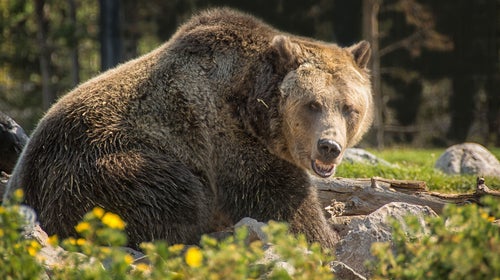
[(314, 106), (349, 110)]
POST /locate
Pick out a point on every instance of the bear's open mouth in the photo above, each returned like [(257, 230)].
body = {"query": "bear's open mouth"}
[(322, 169)]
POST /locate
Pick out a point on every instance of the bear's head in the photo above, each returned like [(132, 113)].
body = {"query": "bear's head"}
[(325, 101)]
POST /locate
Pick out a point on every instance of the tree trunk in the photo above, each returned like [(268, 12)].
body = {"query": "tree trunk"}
[(131, 30), (492, 86), (371, 33), (110, 33), (75, 65), (48, 95), (493, 75), (475, 64)]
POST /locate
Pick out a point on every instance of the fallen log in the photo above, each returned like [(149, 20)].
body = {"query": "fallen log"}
[(351, 197)]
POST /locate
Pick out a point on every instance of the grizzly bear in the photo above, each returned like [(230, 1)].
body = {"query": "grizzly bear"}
[(230, 118)]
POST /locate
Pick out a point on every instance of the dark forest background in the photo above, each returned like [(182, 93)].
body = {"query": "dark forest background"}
[(435, 66)]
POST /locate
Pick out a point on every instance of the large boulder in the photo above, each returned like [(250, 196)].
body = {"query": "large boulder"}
[(12, 141), (355, 247), (468, 158)]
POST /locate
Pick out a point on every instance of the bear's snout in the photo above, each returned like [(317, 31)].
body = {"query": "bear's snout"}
[(327, 157), (328, 149)]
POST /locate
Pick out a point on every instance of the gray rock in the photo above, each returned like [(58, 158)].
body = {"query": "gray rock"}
[(344, 272), (270, 256), (52, 257), (254, 229), (468, 158), (356, 155), (354, 248), (55, 256), (12, 141), (29, 217), (139, 257)]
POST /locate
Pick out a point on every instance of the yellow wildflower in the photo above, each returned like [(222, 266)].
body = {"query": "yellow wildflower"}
[(72, 241), (1, 232), (105, 250), (53, 240), (34, 243), (32, 251), (484, 215), (80, 241), (194, 257), (129, 259), (82, 226), (113, 221), (98, 212), (33, 248), (176, 248), (2, 210), (18, 194), (142, 267), (487, 217)]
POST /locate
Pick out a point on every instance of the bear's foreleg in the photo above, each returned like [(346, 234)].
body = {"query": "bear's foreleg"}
[(310, 220)]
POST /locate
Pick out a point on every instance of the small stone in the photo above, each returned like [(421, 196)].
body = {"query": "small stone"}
[(357, 155), (254, 229)]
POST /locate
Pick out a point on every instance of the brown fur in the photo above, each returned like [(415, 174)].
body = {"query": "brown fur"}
[(221, 121)]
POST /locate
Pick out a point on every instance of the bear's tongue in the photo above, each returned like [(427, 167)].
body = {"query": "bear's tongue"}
[(322, 169)]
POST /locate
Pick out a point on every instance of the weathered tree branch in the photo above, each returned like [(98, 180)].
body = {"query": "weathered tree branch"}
[(349, 197)]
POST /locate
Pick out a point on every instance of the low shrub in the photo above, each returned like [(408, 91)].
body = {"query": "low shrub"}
[(18, 256), (97, 254), (463, 243)]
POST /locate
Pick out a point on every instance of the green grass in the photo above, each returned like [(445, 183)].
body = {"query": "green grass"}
[(417, 164)]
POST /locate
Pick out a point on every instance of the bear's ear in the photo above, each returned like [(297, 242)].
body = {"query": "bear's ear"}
[(289, 52), (361, 52)]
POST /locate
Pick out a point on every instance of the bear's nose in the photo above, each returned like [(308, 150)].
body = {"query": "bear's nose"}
[(329, 149)]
